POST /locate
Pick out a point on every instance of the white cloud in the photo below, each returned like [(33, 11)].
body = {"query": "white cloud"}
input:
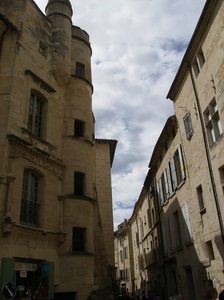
[(137, 47)]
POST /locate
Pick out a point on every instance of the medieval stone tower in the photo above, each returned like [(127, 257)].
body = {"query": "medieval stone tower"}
[(55, 179)]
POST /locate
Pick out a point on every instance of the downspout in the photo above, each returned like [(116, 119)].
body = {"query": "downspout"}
[(207, 154), (165, 293)]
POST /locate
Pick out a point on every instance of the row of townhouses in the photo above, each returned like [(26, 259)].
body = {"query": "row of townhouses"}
[(56, 238), (173, 242)]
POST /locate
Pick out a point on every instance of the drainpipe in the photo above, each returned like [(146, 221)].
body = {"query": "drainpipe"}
[(165, 293), (207, 154)]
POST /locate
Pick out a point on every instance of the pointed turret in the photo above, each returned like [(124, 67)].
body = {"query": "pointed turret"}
[(60, 13)]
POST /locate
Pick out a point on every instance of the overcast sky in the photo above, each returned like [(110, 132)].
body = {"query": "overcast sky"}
[(137, 48)]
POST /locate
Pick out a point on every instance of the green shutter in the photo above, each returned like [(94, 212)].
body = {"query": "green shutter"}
[(51, 281), (7, 271)]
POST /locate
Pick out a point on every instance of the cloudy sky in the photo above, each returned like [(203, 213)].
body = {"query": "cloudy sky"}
[(137, 48)]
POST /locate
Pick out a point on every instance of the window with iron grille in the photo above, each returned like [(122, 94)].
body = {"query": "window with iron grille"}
[(80, 70), (79, 183), (79, 128), (79, 239), (35, 115), (30, 204)]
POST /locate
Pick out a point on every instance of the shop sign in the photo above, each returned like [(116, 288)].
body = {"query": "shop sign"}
[(25, 267)]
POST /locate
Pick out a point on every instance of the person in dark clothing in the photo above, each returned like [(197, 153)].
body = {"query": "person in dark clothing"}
[(151, 295), (144, 295)]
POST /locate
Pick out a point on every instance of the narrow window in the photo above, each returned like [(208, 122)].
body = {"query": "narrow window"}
[(210, 251), (170, 229), (201, 58), (79, 239), (160, 192), (196, 68), (149, 218), (121, 256), (42, 49), (173, 173), (212, 122), (177, 229), (126, 252), (200, 199), (79, 182), (80, 70), (188, 125), (79, 128), (165, 248), (30, 204), (35, 115)]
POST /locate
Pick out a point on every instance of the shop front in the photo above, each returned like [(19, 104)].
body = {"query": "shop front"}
[(26, 279)]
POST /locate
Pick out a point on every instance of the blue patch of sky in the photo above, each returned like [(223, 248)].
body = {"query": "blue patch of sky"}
[(171, 44), (123, 206)]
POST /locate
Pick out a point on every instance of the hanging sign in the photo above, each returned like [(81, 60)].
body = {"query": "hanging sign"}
[(23, 273)]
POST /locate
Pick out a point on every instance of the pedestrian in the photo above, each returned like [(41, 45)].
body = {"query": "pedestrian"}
[(132, 296), (151, 295), (211, 293), (144, 295), (157, 297)]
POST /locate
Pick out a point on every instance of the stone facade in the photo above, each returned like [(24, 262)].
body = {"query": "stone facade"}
[(55, 179), (184, 226)]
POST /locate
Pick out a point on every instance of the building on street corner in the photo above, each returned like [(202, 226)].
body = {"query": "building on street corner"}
[(55, 176)]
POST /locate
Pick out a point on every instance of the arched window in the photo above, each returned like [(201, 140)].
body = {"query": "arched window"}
[(30, 204), (35, 117)]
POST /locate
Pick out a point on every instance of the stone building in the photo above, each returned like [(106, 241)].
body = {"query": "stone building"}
[(186, 175), (55, 178)]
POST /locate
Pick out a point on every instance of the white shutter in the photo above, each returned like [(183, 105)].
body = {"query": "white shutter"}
[(173, 173), (187, 226), (182, 168)]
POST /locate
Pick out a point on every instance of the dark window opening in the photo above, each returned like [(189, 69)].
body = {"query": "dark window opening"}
[(79, 239), (79, 182), (35, 115), (79, 128), (30, 203), (80, 70)]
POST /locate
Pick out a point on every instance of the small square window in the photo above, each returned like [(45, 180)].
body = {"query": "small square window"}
[(42, 49)]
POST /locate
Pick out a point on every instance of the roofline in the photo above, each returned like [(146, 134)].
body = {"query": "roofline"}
[(171, 121), (7, 22), (112, 144), (193, 44)]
